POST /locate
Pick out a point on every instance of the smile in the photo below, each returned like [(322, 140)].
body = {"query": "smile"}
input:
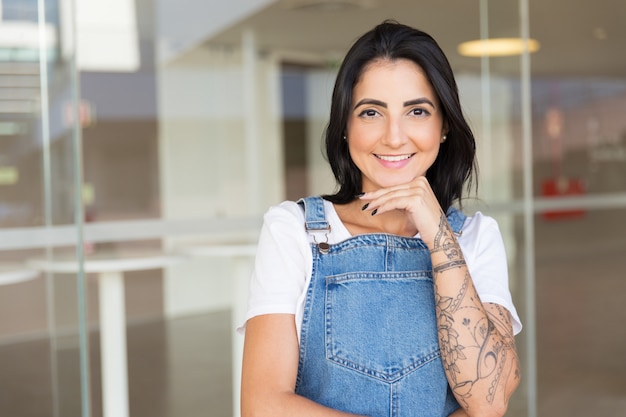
[(394, 158)]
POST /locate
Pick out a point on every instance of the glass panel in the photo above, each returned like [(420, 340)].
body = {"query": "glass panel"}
[(42, 338), (579, 140), (491, 92)]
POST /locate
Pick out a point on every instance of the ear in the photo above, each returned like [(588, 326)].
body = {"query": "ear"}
[(444, 133)]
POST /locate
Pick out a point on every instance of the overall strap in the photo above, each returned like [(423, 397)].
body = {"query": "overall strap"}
[(456, 219), (315, 221), (314, 214)]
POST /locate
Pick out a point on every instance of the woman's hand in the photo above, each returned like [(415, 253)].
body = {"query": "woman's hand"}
[(416, 199)]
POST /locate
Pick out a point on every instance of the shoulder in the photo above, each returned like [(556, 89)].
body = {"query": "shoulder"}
[(283, 227), (485, 254), (479, 229), (282, 262), (285, 209), (286, 213), (483, 249), (481, 242)]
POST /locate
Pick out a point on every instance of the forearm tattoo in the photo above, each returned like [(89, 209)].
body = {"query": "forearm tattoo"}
[(448, 265), (445, 241), (486, 336)]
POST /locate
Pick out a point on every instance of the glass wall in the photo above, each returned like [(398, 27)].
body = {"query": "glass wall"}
[(142, 141), (43, 360), (579, 142)]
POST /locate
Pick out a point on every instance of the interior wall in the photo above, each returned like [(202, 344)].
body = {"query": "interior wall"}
[(202, 128), (319, 85)]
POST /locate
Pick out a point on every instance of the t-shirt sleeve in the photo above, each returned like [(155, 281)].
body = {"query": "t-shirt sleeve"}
[(486, 259), (279, 273)]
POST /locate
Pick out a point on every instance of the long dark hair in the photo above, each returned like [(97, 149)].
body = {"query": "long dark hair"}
[(455, 164)]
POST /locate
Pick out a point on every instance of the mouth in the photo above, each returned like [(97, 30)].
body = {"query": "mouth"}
[(394, 158)]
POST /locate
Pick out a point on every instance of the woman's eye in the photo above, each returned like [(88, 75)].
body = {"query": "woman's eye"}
[(369, 113), (419, 112)]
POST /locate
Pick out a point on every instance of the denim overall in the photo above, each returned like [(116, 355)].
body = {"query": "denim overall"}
[(368, 343)]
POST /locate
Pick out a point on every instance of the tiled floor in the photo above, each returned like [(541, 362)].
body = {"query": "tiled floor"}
[(179, 368), (581, 335), (182, 367)]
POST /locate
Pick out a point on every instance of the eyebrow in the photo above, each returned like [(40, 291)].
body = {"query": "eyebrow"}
[(371, 101), (413, 102), (422, 100)]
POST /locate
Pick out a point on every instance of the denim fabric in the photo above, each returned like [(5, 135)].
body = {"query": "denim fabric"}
[(369, 333)]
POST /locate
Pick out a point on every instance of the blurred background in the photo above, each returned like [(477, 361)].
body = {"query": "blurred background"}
[(141, 141)]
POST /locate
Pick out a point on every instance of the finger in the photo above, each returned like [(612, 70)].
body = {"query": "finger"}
[(417, 182), (405, 203), (418, 191), (380, 197), (371, 195), (412, 200)]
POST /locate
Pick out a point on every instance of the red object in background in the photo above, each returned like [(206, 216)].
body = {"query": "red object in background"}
[(562, 187)]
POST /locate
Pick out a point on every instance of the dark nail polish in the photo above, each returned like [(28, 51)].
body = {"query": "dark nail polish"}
[(365, 206), (360, 195), (374, 212)]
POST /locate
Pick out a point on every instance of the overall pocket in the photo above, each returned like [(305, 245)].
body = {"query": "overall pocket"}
[(381, 324)]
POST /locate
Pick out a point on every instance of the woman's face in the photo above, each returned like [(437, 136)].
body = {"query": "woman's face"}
[(395, 126)]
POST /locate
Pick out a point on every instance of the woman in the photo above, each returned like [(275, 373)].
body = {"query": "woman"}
[(383, 299)]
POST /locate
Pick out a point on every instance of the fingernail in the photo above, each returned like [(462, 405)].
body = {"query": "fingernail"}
[(365, 206), (374, 212), (360, 195)]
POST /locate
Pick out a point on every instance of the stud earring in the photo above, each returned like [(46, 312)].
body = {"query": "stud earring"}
[(443, 139)]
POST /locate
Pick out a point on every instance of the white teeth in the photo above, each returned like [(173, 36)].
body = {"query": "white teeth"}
[(394, 158)]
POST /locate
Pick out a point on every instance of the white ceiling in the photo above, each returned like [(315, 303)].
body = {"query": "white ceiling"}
[(577, 39)]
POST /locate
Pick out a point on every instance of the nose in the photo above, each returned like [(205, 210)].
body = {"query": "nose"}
[(395, 136)]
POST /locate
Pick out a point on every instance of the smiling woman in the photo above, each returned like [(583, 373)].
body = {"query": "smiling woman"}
[(384, 299)]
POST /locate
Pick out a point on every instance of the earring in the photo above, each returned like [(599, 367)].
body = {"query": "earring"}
[(443, 139), (344, 137)]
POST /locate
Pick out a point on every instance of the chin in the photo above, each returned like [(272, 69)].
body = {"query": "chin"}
[(392, 182)]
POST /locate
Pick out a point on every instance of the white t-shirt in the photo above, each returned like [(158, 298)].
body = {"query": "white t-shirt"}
[(283, 265)]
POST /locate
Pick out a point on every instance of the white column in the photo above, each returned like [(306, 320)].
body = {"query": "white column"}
[(251, 121), (114, 367), (242, 266), (319, 91)]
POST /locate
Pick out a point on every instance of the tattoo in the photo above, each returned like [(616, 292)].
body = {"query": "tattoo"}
[(448, 265), (445, 240), (501, 322), (459, 297), (451, 351), (492, 337), (483, 333)]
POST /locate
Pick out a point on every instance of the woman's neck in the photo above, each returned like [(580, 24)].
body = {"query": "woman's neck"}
[(359, 221)]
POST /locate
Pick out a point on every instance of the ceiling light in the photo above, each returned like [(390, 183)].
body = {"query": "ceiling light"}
[(600, 33), (330, 5), (9, 175), (497, 47)]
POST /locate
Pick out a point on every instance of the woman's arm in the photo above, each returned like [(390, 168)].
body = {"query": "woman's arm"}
[(476, 339), (270, 366)]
